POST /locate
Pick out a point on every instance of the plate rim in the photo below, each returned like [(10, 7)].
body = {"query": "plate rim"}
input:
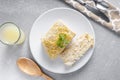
[(91, 26)]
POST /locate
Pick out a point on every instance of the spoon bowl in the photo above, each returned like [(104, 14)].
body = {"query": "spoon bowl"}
[(30, 67)]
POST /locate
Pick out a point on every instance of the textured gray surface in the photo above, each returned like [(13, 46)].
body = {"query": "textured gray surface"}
[(104, 64)]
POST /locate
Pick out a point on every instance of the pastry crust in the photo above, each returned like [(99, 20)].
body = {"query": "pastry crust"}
[(77, 49)]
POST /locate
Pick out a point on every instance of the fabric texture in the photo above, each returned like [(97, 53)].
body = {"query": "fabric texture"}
[(113, 13)]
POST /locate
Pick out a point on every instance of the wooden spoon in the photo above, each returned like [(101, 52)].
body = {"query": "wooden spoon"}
[(31, 68)]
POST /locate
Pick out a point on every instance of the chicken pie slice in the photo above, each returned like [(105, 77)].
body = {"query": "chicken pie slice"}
[(57, 38)]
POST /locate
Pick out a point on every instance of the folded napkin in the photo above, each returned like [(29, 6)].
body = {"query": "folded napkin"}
[(113, 13)]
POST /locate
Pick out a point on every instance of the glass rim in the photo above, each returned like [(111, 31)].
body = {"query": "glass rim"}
[(18, 31)]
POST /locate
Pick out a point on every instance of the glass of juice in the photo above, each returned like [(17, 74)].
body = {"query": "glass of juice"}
[(11, 34)]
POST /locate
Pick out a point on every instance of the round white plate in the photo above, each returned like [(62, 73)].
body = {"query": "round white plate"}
[(75, 21)]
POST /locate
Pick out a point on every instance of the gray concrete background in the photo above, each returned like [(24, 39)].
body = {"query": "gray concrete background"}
[(104, 64)]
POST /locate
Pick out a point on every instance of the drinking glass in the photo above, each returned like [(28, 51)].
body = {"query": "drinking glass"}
[(11, 34)]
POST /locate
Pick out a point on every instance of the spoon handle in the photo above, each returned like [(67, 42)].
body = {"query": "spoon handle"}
[(46, 77)]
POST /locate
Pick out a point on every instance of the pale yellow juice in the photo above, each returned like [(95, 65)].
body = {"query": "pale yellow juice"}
[(22, 38), (11, 34)]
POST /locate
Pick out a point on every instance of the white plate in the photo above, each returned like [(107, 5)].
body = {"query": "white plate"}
[(75, 21)]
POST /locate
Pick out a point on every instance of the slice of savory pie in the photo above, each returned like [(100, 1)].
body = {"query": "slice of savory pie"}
[(57, 38), (77, 49)]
